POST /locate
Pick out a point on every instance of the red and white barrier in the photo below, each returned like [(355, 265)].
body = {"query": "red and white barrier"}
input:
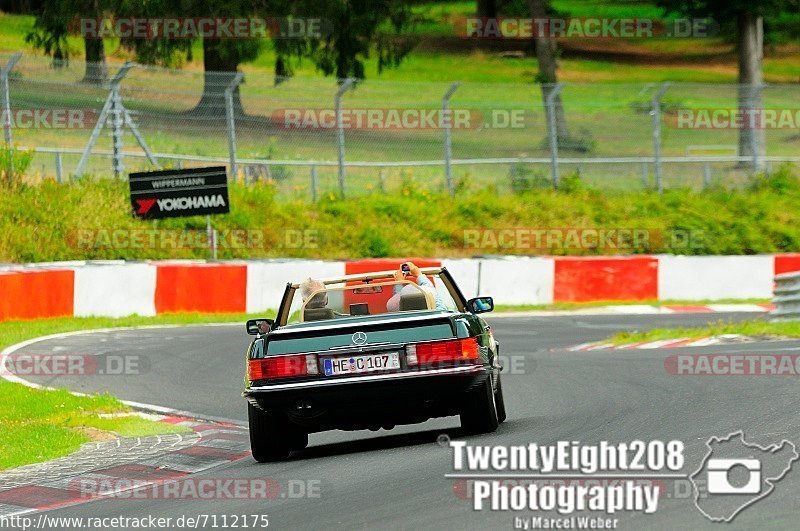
[(119, 288), (510, 280), (715, 277), (115, 290), (603, 278)]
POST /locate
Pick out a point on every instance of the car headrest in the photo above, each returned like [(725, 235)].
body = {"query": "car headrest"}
[(318, 314), (413, 301)]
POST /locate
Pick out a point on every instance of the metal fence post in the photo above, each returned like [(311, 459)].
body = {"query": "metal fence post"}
[(116, 132), (313, 183), (4, 74), (111, 101), (656, 112), (447, 122), (59, 167), (706, 175), (645, 176), (337, 103), (755, 124), (231, 121), (553, 132)]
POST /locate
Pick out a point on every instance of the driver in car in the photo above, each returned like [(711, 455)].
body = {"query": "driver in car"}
[(414, 272), (319, 301)]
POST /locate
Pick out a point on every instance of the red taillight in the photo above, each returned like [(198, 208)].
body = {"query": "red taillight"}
[(281, 367), (442, 351)]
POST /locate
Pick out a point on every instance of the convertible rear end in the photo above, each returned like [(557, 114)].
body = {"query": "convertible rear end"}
[(358, 372), (399, 372)]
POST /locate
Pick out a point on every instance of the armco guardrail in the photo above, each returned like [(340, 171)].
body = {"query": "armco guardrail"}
[(787, 297)]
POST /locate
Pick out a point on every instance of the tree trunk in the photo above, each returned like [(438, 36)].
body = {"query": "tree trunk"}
[(219, 69), (486, 9), (750, 40), (96, 71), (545, 55)]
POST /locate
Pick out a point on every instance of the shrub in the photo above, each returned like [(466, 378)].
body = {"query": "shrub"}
[(13, 163)]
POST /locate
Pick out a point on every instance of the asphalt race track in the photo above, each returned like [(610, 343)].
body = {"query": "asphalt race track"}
[(396, 479)]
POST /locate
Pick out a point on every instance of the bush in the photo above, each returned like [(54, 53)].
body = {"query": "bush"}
[(524, 179), (780, 182), (668, 105), (373, 244), (580, 142), (571, 184), (13, 163), (38, 222)]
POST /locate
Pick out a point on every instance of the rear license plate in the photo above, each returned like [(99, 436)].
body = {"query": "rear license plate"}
[(361, 363)]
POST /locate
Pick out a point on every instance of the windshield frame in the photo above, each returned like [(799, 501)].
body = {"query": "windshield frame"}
[(284, 311)]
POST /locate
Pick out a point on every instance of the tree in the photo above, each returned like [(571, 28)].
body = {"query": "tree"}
[(747, 18), (353, 29), (221, 56), (53, 24), (486, 8), (546, 57), (356, 27)]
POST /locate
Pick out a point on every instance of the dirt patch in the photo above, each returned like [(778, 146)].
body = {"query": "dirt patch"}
[(96, 435)]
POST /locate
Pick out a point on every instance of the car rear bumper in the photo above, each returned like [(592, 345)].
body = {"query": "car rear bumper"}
[(359, 402), (368, 378)]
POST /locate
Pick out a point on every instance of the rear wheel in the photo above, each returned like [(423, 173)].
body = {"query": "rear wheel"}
[(270, 439), (499, 401), (298, 439), (480, 413)]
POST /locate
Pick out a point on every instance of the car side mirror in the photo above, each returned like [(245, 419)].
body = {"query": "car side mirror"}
[(480, 304), (259, 326)]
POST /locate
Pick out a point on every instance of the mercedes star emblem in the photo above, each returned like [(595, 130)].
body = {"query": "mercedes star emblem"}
[(359, 338)]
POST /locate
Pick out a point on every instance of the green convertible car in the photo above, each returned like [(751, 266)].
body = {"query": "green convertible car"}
[(369, 351)]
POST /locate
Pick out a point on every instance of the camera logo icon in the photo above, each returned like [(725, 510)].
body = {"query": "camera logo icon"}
[(718, 477), (736, 473)]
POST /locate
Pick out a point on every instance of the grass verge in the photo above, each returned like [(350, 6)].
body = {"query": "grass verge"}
[(90, 219), (596, 304), (748, 328), (38, 425)]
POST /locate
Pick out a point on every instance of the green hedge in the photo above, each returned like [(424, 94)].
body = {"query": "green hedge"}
[(39, 222)]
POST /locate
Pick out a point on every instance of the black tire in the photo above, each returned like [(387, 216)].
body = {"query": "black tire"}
[(499, 401), (480, 413), (298, 440), (269, 439)]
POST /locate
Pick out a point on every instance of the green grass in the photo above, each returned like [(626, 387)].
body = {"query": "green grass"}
[(749, 328), (596, 304), (38, 425), (603, 107), (760, 218)]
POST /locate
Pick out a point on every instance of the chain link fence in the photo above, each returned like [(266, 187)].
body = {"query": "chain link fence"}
[(314, 136)]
